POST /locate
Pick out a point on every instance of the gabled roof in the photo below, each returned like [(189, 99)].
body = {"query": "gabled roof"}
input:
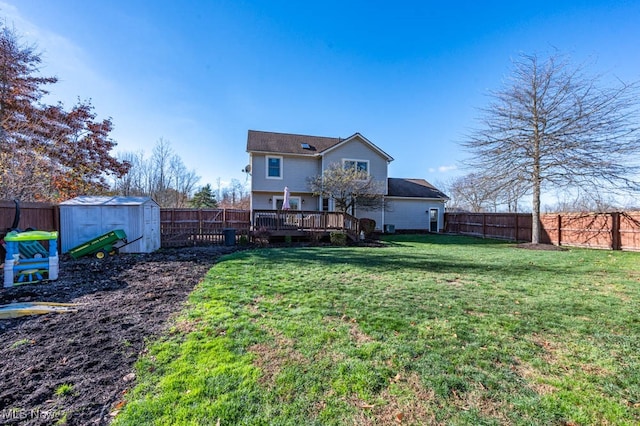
[(365, 140), (287, 143), (413, 188)]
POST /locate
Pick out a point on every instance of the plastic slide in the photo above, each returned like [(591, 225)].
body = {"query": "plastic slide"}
[(15, 310)]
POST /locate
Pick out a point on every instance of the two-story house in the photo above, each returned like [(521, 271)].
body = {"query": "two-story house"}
[(279, 160)]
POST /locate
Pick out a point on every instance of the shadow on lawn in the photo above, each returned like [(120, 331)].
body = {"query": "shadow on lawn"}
[(437, 260), (441, 239)]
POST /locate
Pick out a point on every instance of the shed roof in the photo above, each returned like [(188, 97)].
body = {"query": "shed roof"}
[(413, 188), (95, 200)]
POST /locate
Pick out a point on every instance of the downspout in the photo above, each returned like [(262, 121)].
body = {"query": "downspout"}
[(321, 198), (16, 218), (384, 199), (251, 196)]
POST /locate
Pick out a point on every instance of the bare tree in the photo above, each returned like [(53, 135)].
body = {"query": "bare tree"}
[(470, 192), (133, 182), (552, 126), (511, 195), (349, 187), (163, 176), (219, 188), (183, 181), (582, 201), (159, 176), (235, 195)]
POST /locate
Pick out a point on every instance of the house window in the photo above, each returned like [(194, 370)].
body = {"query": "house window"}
[(274, 167), (360, 165), (294, 203)]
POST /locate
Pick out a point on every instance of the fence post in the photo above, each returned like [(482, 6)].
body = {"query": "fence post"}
[(616, 244), (517, 225), (484, 225), (559, 229), (173, 222)]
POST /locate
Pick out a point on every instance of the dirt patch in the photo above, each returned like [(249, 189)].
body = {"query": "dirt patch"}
[(406, 401), (77, 366)]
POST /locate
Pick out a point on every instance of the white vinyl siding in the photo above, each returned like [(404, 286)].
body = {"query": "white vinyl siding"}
[(356, 150), (294, 203), (295, 172), (360, 165), (272, 201), (413, 214)]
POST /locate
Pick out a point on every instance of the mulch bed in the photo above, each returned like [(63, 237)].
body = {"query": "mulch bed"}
[(124, 301)]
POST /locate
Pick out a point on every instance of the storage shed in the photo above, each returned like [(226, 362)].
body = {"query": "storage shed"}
[(87, 217)]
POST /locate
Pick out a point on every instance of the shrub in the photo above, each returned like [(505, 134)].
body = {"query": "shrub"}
[(338, 238), (261, 236), (367, 226)]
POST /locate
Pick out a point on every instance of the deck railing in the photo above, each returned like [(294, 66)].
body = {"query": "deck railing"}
[(304, 220)]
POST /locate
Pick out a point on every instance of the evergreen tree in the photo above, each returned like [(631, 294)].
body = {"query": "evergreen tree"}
[(204, 198)]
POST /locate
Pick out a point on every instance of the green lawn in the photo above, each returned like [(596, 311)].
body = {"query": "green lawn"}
[(427, 330)]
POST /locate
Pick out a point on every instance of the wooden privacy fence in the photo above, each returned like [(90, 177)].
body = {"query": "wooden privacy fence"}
[(178, 227), (188, 227), (41, 216), (615, 230), (504, 226), (184, 227)]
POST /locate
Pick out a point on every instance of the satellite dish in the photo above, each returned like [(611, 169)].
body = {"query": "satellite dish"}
[(247, 169)]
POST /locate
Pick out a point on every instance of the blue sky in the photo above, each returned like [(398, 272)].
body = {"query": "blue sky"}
[(410, 76)]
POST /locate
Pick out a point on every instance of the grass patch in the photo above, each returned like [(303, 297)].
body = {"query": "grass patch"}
[(428, 330), (63, 390), (19, 343), (62, 420)]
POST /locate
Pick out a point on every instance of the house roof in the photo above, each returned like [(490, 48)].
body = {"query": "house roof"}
[(413, 188), (287, 143), (366, 141)]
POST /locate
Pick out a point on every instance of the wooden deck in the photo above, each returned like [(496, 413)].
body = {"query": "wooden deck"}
[(304, 223)]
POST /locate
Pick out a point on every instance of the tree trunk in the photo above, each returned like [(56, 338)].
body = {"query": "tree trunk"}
[(535, 213), (535, 216)]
